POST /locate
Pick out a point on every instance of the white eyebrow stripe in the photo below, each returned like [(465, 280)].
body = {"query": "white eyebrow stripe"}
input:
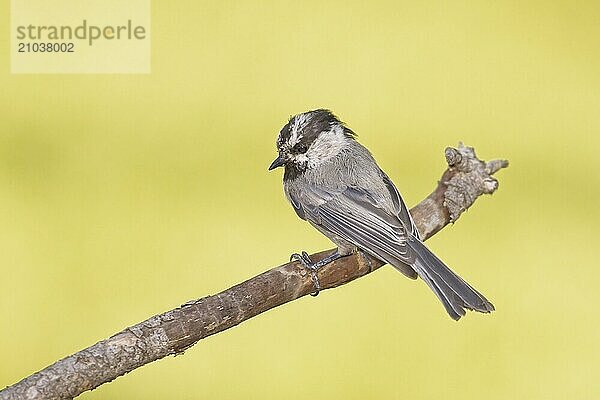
[(299, 123)]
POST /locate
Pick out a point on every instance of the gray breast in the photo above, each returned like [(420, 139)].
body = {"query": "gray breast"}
[(353, 167)]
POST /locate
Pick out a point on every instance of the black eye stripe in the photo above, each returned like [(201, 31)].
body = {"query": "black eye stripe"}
[(300, 148)]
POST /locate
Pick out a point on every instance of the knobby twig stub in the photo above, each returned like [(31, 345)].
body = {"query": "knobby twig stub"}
[(174, 331)]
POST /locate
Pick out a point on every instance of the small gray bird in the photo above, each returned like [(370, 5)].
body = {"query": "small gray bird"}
[(334, 183)]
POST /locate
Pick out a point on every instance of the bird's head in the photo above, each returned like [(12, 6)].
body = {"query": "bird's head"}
[(310, 139)]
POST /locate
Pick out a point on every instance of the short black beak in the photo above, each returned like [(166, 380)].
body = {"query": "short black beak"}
[(278, 162)]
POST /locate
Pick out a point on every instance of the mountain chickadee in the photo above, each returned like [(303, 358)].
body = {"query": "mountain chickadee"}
[(334, 183)]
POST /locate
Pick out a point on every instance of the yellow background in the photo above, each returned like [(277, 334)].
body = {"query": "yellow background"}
[(122, 196)]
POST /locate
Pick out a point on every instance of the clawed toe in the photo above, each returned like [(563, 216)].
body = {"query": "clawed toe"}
[(304, 258), (307, 263), (313, 267)]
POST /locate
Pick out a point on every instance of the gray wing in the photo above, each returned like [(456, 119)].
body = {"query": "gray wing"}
[(400, 208), (386, 231), (357, 216)]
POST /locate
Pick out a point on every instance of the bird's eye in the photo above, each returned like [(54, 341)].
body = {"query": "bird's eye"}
[(301, 148)]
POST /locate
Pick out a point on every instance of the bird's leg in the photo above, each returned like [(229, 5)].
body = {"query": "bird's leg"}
[(313, 267)]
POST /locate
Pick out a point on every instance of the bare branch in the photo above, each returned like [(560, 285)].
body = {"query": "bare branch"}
[(173, 332)]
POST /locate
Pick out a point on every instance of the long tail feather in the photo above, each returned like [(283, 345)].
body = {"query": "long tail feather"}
[(456, 294)]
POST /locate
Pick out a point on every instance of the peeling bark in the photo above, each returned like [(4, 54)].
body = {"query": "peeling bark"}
[(174, 331)]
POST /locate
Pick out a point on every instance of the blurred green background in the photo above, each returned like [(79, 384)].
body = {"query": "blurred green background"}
[(122, 196)]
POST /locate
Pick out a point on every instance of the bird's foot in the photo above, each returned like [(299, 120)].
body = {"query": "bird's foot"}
[(308, 264), (313, 267)]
